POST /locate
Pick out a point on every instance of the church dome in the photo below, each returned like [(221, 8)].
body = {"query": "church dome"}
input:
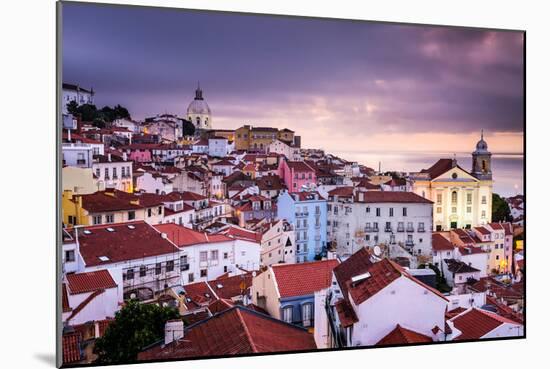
[(198, 105), (481, 146)]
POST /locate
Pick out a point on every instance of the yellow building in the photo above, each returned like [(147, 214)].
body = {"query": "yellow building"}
[(461, 199), (80, 180), (258, 138), (111, 206)]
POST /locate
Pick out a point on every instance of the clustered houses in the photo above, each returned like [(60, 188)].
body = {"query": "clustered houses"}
[(244, 231)]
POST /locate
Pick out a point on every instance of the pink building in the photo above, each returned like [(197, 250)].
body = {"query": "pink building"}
[(140, 153), (296, 175)]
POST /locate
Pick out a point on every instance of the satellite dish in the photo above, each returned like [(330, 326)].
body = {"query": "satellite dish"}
[(253, 273), (377, 251)]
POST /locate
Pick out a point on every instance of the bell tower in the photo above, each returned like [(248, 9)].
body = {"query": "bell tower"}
[(481, 161)]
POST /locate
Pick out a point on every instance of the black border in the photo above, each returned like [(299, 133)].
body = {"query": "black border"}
[(59, 55)]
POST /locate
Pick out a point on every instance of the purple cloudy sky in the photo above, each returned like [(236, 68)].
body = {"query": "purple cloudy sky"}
[(387, 86)]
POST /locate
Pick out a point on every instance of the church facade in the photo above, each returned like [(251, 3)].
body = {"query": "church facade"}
[(462, 199)]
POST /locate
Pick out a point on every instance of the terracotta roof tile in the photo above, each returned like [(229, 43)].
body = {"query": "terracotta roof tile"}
[(403, 336), (476, 323), (440, 243), (390, 196), (237, 330), (71, 348), (128, 241), (303, 278), (90, 281), (346, 314), (183, 236)]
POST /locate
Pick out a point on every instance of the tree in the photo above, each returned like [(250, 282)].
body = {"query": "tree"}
[(501, 210), (72, 107), (188, 128), (441, 283), (135, 326)]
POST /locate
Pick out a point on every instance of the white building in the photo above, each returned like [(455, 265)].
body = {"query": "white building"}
[(153, 182), (369, 299), (90, 296), (358, 219), (112, 171), (210, 256), (277, 146), (76, 93), (219, 147), (77, 154), (278, 243)]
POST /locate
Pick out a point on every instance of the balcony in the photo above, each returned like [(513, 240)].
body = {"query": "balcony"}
[(410, 230), (80, 161), (400, 229), (368, 229), (421, 230), (388, 229), (184, 267)]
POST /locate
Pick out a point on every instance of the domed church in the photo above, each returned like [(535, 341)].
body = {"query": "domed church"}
[(199, 112)]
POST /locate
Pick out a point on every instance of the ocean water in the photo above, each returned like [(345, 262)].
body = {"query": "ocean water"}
[(507, 168)]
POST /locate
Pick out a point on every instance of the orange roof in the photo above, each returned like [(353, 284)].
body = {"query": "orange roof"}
[(476, 323), (303, 278), (183, 236), (400, 336), (90, 281)]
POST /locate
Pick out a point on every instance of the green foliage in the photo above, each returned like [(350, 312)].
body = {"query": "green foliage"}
[(99, 118), (501, 210), (188, 128), (441, 283), (135, 326)]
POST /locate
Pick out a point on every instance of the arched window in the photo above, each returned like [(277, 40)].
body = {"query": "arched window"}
[(454, 197), (198, 121), (484, 165)]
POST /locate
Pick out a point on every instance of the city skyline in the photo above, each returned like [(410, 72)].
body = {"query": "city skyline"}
[(431, 88)]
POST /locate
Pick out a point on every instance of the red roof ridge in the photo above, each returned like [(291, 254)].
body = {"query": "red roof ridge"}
[(247, 332)]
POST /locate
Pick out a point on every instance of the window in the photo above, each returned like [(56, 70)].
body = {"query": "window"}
[(225, 255), (404, 212), (158, 268), (377, 212), (287, 314), (214, 254), (484, 199), (483, 214), (106, 173), (368, 209), (391, 212), (469, 198), (115, 176), (439, 198), (439, 210), (190, 277), (131, 215), (421, 227), (97, 172), (203, 256), (109, 218), (170, 266), (468, 209), (130, 274), (142, 271), (69, 256), (225, 268), (204, 273), (307, 310), (97, 219), (149, 212), (454, 197), (160, 210)]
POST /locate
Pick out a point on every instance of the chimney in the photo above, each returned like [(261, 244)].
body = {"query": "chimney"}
[(109, 156), (124, 156), (173, 331)]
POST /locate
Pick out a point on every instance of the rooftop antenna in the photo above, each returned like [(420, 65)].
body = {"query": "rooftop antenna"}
[(482, 133)]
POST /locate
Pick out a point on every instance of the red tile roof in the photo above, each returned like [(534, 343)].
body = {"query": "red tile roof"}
[(90, 281), (346, 191), (128, 241), (71, 348), (65, 299), (346, 314), (440, 243), (199, 293), (476, 323), (300, 166), (403, 336), (183, 236), (303, 278), (356, 264), (240, 233), (237, 330), (440, 167), (482, 230), (229, 287), (390, 196)]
